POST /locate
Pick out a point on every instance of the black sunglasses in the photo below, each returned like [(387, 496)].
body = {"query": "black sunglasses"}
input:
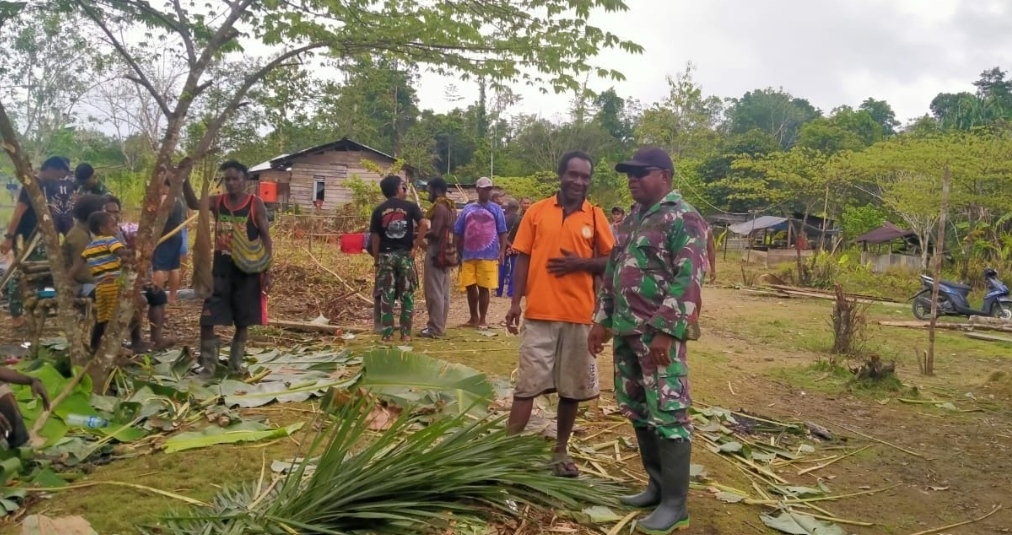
[(640, 172)]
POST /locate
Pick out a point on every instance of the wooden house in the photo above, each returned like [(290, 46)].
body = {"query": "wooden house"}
[(321, 172)]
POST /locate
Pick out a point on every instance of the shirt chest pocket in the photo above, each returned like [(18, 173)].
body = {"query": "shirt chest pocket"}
[(649, 253)]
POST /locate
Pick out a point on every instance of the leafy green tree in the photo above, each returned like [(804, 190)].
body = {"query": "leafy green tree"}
[(716, 169), (882, 113), (685, 123), (611, 116), (773, 111), (857, 220), (45, 70), (845, 129)]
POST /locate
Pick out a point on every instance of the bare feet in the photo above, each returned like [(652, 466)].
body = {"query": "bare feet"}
[(472, 323), (406, 338)]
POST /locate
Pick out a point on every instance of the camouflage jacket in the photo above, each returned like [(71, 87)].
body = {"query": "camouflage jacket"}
[(656, 270)]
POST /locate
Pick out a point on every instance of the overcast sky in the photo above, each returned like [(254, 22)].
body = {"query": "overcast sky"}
[(830, 52)]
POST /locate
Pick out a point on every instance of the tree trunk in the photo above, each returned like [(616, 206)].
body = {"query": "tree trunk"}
[(154, 214), (46, 227)]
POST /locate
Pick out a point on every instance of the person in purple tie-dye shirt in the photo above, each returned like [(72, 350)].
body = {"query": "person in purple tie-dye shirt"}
[(481, 239)]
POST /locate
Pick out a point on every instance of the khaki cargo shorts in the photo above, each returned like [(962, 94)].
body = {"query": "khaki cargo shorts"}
[(554, 358)]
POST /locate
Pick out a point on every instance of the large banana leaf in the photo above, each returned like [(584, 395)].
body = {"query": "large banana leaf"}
[(415, 379), (213, 435)]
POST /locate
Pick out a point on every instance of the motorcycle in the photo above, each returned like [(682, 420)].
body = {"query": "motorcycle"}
[(953, 298)]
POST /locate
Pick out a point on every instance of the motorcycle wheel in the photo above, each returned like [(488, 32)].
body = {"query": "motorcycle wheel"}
[(922, 309), (1002, 310)]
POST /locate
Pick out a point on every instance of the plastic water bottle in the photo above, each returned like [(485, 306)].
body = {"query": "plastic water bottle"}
[(81, 420)]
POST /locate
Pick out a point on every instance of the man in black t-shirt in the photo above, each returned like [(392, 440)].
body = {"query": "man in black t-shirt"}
[(392, 231)]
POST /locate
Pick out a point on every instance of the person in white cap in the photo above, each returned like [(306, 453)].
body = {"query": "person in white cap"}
[(481, 239)]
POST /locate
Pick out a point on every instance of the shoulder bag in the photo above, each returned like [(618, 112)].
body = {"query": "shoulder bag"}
[(250, 256), (446, 256)]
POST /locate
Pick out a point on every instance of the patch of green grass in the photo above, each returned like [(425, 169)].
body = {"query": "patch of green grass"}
[(824, 377)]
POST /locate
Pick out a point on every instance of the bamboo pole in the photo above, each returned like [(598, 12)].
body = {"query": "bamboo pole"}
[(176, 230)]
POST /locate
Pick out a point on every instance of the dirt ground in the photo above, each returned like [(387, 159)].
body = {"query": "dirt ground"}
[(757, 354)]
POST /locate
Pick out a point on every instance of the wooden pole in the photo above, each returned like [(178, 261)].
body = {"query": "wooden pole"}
[(929, 359), (825, 217)]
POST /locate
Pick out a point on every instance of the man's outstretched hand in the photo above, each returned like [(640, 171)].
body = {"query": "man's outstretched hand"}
[(568, 263)]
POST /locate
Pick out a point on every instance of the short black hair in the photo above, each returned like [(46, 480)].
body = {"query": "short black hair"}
[(56, 162), (234, 164), (98, 220), (87, 205), (577, 155), (83, 172), (438, 184), (389, 185), (110, 198), (618, 210)]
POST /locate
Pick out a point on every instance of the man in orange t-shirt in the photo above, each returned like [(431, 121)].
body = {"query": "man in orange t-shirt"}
[(562, 243)]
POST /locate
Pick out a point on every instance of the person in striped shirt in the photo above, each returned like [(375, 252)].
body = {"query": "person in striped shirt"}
[(104, 256)]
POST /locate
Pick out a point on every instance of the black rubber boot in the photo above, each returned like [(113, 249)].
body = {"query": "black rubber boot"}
[(209, 357), (672, 514), (236, 353), (647, 440)]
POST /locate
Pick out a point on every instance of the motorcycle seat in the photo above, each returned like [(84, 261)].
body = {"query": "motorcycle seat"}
[(956, 285)]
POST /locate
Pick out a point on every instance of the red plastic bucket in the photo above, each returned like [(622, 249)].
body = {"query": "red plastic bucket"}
[(353, 243)]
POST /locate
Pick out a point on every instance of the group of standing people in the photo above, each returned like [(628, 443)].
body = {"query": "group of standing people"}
[(576, 279), (95, 244), (87, 217)]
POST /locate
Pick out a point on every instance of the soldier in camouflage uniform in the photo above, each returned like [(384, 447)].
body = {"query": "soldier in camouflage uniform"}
[(651, 292), (392, 232)]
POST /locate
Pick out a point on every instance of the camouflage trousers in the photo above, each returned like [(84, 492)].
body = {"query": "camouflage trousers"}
[(396, 280), (15, 286), (657, 398)]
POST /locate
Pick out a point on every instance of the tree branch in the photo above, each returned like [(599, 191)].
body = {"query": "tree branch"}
[(191, 51), (212, 129), (141, 77), (178, 26)]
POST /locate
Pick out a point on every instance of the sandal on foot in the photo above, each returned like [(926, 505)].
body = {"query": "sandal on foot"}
[(563, 466), (428, 333)]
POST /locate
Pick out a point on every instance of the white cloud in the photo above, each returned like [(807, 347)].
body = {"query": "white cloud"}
[(831, 53)]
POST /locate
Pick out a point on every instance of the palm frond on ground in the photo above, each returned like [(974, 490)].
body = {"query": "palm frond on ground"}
[(403, 480)]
